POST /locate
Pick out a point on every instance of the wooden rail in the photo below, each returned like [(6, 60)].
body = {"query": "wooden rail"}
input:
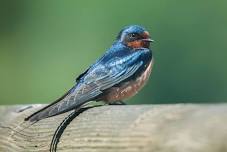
[(139, 128)]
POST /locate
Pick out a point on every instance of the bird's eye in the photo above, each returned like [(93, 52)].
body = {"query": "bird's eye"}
[(132, 35)]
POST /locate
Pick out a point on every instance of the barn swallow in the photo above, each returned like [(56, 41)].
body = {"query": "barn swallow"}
[(119, 74)]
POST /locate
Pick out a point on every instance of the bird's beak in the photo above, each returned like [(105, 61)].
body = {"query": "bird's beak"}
[(146, 36), (148, 40)]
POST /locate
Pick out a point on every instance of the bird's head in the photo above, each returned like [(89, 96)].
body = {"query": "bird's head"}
[(135, 36)]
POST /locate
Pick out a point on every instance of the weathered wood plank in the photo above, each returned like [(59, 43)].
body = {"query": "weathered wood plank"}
[(143, 128)]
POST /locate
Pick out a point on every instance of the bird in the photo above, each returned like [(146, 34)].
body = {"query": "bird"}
[(119, 74)]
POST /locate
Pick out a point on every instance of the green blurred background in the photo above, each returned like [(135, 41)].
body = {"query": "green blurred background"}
[(45, 44)]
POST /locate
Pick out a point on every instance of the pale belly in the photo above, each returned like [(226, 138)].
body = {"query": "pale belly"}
[(128, 89)]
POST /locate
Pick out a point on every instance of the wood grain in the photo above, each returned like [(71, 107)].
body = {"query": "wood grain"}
[(139, 128)]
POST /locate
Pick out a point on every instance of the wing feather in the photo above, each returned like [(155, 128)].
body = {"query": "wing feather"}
[(92, 83)]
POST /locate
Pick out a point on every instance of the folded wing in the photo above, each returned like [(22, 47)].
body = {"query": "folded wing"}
[(98, 78)]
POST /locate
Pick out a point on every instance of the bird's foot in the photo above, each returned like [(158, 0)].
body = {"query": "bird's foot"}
[(118, 103)]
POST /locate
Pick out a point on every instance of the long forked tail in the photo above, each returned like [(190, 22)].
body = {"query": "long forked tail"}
[(63, 104)]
